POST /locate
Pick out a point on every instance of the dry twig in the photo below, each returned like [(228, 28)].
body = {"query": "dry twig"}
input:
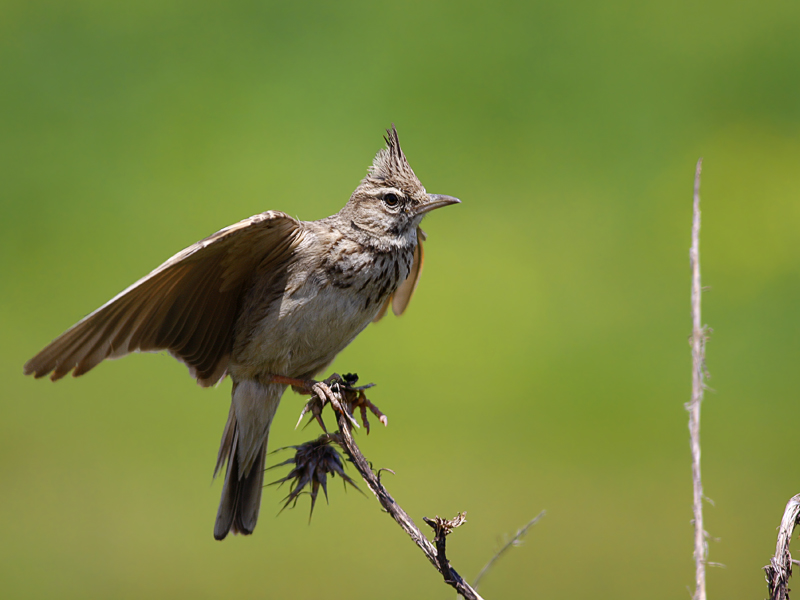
[(441, 529), (779, 568), (698, 385), (437, 558)]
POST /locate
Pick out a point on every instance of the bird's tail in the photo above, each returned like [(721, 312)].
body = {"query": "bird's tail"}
[(244, 447), (241, 492)]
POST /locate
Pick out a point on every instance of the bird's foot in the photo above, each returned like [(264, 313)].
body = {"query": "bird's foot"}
[(338, 391), (356, 398), (333, 391)]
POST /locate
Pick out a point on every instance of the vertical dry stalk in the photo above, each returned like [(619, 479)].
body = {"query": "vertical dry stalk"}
[(779, 568), (698, 373)]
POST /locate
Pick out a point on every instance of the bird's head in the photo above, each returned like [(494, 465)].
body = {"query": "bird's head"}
[(390, 201)]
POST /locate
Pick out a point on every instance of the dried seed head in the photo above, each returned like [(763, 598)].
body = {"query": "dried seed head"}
[(442, 526), (313, 461)]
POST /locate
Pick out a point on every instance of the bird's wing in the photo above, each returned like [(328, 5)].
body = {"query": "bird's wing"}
[(402, 295), (187, 306)]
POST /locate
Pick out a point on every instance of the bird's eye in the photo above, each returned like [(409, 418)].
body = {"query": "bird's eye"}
[(391, 199)]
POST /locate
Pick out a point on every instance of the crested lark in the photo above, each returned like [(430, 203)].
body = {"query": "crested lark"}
[(267, 300)]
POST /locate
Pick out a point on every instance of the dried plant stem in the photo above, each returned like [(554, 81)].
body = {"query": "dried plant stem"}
[(510, 544), (345, 439), (779, 568), (698, 385)]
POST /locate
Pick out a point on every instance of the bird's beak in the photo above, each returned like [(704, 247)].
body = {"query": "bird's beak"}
[(434, 201)]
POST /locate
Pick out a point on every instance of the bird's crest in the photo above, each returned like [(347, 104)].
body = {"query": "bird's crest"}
[(390, 163)]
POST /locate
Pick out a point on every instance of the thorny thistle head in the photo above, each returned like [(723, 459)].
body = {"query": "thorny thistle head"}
[(312, 461)]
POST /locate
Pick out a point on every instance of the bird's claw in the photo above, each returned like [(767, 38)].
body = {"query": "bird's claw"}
[(313, 406), (343, 396), (360, 401)]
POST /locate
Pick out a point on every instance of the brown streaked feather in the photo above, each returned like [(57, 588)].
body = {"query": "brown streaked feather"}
[(187, 306), (400, 299), (402, 296)]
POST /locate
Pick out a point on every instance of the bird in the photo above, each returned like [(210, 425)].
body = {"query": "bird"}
[(269, 301)]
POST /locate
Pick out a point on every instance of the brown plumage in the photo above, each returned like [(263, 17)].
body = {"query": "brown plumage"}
[(268, 296)]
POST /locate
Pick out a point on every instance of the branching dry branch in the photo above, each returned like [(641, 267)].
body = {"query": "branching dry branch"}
[(698, 385), (441, 529), (779, 568), (436, 557)]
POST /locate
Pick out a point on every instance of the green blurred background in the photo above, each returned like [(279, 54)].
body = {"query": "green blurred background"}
[(544, 361)]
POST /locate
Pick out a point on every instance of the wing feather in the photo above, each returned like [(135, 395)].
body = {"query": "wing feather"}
[(187, 306)]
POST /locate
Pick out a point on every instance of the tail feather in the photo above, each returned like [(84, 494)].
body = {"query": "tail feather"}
[(249, 497), (241, 493), (227, 441), (244, 447), (227, 503)]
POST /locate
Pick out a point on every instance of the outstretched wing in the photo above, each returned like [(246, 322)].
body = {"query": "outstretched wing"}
[(187, 306), (402, 295)]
